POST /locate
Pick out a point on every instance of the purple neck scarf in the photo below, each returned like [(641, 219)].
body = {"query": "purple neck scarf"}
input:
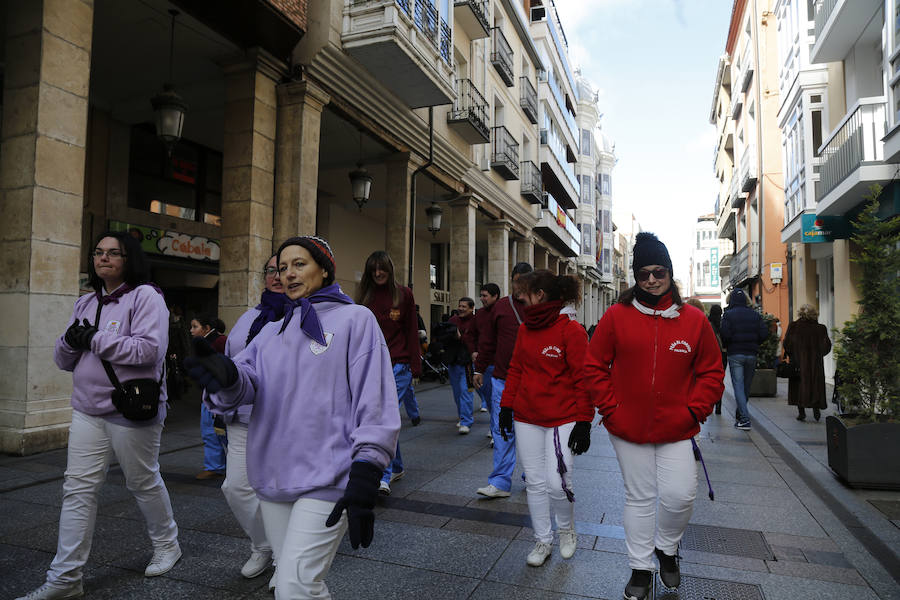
[(309, 320), (120, 291), (271, 308)]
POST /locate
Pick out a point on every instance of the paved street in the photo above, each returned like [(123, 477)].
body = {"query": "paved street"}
[(781, 527)]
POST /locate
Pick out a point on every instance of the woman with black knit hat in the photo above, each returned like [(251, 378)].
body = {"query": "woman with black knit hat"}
[(654, 372)]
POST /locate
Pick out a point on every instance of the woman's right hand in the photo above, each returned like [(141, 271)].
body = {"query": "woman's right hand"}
[(213, 371)]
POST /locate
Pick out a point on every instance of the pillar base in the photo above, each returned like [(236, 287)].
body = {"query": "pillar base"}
[(32, 441)]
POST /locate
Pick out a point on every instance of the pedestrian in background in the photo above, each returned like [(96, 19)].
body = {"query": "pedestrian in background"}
[(395, 309), (743, 330), (215, 442), (654, 372), (125, 323), (463, 347), (806, 343), (715, 319), (489, 293), (546, 402)]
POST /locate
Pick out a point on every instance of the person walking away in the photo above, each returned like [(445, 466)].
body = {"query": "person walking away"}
[(179, 347), (464, 346), (654, 373), (552, 413), (743, 330), (495, 348), (715, 319), (238, 492), (324, 422), (488, 294), (124, 324), (215, 442), (394, 307), (806, 343)]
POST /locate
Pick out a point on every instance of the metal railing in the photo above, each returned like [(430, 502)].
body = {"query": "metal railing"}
[(748, 168), (502, 56), (740, 266), (734, 191), (856, 140), (404, 6), (531, 182), (528, 98), (471, 106), (479, 9), (824, 8), (446, 52), (426, 20), (504, 151)]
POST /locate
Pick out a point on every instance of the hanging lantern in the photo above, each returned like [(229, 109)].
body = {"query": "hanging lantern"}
[(168, 106), (434, 213), (361, 185)]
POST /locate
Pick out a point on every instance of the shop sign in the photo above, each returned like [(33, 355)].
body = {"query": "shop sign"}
[(184, 170), (440, 297), (171, 243), (714, 267), (818, 229)]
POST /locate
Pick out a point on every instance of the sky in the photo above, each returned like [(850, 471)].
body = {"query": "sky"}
[(654, 63)]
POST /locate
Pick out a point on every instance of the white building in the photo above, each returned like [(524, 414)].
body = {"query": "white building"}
[(708, 249)]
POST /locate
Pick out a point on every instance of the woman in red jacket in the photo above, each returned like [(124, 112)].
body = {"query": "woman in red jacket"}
[(654, 372), (545, 395)]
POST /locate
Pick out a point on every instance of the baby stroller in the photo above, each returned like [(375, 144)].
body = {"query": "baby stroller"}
[(432, 367)]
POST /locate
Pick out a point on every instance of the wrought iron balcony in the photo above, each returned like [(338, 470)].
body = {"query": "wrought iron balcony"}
[(735, 195), (531, 182), (469, 116), (502, 56), (528, 99), (740, 266), (472, 17), (857, 140), (748, 168), (504, 153)]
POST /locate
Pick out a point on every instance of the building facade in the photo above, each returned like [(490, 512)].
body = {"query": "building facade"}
[(704, 284)]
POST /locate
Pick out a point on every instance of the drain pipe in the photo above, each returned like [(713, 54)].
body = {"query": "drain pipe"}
[(412, 193)]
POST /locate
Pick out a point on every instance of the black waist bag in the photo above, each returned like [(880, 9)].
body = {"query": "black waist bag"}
[(136, 399)]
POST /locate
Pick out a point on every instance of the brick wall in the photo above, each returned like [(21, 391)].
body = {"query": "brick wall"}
[(295, 10)]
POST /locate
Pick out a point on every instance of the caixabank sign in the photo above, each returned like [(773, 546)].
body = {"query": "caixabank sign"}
[(818, 229)]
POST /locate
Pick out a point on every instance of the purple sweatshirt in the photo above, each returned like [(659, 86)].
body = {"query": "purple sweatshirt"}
[(316, 409), (133, 336), (237, 341)]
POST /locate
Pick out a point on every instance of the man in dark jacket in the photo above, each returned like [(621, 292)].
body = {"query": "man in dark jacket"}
[(743, 329)]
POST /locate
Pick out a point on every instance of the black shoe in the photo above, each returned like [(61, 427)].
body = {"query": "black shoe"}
[(416, 420), (718, 408), (801, 417), (668, 569), (638, 587), (817, 414)]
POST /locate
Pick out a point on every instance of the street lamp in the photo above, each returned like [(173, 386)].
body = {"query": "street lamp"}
[(361, 184), (434, 213), (168, 106)]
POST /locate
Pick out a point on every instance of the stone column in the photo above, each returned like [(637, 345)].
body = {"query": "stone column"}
[(396, 231), (846, 279), (525, 250), (498, 254), (462, 248), (248, 179), (42, 160), (300, 105)]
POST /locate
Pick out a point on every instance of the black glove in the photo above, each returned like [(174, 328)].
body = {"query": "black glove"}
[(82, 336), (580, 438), (213, 371), (505, 421), (359, 500), (72, 333)]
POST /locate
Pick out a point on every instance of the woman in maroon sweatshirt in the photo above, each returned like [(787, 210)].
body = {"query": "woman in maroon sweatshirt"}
[(546, 397), (395, 309)]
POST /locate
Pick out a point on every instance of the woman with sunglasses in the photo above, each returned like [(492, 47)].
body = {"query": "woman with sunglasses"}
[(125, 322), (654, 372)]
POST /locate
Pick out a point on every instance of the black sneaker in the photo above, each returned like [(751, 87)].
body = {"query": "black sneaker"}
[(638, 587), (416, 420), (669, 573)]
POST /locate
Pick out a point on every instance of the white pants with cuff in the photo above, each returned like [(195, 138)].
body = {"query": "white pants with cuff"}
[(239, 494), (543, 484), (303, 545), (655, 473), (93, 441)]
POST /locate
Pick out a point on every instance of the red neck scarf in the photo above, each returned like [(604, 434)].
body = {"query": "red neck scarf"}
[(539, 316)]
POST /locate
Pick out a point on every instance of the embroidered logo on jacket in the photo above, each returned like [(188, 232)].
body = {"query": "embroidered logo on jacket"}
[(552, 352), (680, 346), (318, 348), (394, 314), (112, 327)]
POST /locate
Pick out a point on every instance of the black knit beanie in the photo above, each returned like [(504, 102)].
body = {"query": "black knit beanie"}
[(648, 250), (318, 249)]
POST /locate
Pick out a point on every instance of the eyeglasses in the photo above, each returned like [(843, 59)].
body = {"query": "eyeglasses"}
[(270, 271), (114, 253), (660, 273)]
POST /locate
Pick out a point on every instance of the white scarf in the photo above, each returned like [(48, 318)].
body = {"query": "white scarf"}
[(669, 313)]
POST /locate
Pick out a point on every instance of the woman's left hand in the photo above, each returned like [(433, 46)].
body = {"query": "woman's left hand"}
[(580, 438), (359, 501)]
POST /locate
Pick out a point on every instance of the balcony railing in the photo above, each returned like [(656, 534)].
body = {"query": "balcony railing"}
[(856, 140), (502, 56), (748, 168), (472, 17), (823, 11), (469, 116), (531, 182), (528, 99), (740, 267), (735, 195), (427, 20), (504, 153), (445, 43)]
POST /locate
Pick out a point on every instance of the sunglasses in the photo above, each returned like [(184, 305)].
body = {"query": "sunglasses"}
[(660, 273)]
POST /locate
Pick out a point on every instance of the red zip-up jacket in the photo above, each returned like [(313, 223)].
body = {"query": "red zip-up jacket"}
[(545, 381), (497, 340), (467, 332), (644, 372)]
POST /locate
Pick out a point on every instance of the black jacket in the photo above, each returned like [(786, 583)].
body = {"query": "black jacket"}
[(743, 329), (448, 346)]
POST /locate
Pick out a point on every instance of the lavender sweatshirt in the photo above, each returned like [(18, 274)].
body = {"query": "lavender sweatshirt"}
[(316, 409), (236, 342), (133, 336)]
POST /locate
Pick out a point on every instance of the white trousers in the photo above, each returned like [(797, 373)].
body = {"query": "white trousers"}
[(240, 496), (663, 473), (543, 484), (304, 547), (92, 443)]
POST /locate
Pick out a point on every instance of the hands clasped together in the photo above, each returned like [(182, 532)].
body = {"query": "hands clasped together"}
[(79, 336), (579, 439)]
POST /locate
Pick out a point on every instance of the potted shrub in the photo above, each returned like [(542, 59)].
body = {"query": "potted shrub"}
[(864, 438), (764, 382)]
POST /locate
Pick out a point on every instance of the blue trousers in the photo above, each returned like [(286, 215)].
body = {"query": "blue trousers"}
[(214, 446), (504, 451), (485, 390), (403, 380), (461, 394), (742, 368)]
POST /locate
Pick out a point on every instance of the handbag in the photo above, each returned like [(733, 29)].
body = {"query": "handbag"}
[(787, 370)]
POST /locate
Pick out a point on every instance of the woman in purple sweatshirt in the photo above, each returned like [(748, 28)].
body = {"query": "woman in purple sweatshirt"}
[(324, 423), (126, 323)]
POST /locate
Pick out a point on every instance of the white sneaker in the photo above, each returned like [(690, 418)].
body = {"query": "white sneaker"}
[(256, 564), (163, 560), (568, 541), (457, 424), (463, 430), (51, 591), (384, 488), (482, 409), (491, 491), (538, 555)]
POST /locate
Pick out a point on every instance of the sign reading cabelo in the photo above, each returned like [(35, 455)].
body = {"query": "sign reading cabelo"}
[(171, 243)]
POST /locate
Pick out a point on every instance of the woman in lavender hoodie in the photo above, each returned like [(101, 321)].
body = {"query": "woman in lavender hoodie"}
[(126, 323), (324, 422)]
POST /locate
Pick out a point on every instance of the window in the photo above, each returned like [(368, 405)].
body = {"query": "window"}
[(586, 190), (587, 142), (587, 238), (605, 184)]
